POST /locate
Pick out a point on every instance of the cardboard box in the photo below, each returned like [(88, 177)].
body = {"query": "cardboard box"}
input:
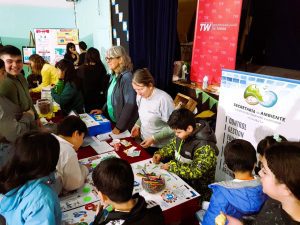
[(183, 101), (96, 124)]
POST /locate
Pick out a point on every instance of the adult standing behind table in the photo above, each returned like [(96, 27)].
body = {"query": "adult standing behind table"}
[(48, 72), (14, 86), (94, 80), (82, 48), (121, 98), (71, 54), (155, 107)]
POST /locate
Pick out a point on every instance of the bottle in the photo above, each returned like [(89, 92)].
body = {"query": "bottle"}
[(205, 82)]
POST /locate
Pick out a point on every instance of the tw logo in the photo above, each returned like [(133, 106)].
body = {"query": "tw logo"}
[(205, 26)]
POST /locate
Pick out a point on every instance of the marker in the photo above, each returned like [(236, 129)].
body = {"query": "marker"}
[(186, 186)]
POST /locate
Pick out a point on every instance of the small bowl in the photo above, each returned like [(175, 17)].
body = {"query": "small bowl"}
[(153, 184)]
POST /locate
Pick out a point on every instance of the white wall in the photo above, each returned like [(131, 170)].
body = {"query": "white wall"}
[(94, 23), (18, 19)]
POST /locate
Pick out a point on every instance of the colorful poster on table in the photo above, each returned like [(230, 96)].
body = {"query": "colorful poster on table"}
[(215, 39), (175, 192), (253, 106), (51, 43), (80, 206)]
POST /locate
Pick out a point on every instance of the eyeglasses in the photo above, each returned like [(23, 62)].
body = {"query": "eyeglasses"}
[(108, 59)]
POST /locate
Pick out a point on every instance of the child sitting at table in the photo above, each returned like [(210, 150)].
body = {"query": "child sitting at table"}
[(25, 194), (71, 131), (193, 151), (114, 181), (241, 196)]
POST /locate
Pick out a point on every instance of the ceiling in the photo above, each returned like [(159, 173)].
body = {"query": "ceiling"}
[(38, 3)]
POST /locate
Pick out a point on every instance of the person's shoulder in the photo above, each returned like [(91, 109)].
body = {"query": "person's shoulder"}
[(154, 213), (66, 149), (41, 193), (47, 67), (127, 75), (6, 84), (270, 213), (161, 92), (163, 95), (152, 206), (41, 199), (7, 80)]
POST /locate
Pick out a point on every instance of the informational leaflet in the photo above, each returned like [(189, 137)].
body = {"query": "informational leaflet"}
[(80, 205)]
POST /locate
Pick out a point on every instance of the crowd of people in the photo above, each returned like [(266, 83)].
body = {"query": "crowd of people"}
[(36, 166)]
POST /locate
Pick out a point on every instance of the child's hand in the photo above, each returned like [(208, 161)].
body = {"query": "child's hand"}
[(165, 166), (156, 158), (96, 111)]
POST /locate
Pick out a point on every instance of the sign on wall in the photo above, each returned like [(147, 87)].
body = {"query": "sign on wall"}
[(26, 53), (51, 43), (253, 106), (215, 40)]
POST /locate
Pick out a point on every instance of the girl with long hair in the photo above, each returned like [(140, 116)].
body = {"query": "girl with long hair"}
[(94, 80), (41, 67), (67, 92)]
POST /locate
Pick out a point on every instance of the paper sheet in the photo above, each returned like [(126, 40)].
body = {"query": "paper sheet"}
[(103, 137), (101, 146), (87, 141), (124, 134)]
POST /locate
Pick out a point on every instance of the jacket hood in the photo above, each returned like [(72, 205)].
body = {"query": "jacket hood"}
[(12, 199), (204, 132), (247, 196)]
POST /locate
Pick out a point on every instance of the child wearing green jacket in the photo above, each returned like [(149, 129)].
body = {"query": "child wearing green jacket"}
[(193, 152), (67, 91)]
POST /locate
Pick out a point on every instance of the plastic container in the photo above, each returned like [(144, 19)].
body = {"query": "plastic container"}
[(153, 184), (205, 82), (45, 107)]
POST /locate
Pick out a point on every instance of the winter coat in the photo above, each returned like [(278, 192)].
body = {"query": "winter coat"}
[(194, 159), (146, 213), (234, 198), (124, 102), (33, 203)]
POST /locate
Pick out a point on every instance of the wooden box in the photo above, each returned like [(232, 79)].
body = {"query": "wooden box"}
[(187, 102)]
